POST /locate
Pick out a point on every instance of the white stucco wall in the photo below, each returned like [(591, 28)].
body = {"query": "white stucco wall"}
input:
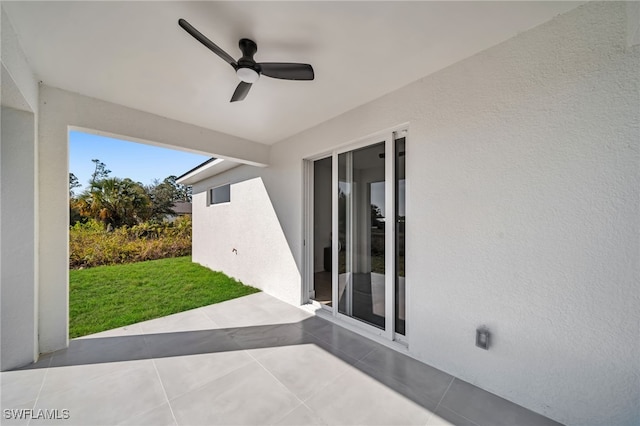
[(523, 185), (633, 23), (17, 239), (248, 224), (15, 64), (18, 204)]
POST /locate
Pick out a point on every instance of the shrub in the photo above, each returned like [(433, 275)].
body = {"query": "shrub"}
[(90, 245)]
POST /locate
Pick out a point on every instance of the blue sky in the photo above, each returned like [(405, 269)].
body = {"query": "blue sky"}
[(140, 162)]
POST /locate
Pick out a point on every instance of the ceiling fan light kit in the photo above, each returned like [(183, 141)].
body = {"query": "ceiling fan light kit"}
[(248, 75), (246, 68)]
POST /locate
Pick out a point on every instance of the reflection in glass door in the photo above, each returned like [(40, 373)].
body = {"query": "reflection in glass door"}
[(322, 254), (361, 234), (400, 216)]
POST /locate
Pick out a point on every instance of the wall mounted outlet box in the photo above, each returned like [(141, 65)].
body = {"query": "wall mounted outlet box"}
[(482, 338)]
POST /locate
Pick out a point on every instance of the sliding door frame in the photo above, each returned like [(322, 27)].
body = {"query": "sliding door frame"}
[(388, 136)]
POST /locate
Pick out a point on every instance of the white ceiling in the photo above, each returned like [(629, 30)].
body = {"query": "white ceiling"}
[(135, 54)]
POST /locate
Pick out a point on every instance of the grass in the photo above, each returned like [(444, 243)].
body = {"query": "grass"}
[(107, 297)]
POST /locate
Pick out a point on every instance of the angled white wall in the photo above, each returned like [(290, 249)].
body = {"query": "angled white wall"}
[(23, 93), (523, 199), (244, 237)]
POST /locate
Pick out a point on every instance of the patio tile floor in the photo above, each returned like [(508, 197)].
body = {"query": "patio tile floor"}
[(252, 360)]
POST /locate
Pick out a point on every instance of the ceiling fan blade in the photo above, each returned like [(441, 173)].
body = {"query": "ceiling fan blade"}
[(241, 91), (287, 71), (208, 43)]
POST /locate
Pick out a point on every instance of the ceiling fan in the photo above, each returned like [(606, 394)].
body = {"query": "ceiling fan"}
[(248, 70)]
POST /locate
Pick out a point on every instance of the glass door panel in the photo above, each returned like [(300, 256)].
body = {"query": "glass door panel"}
[(322, 254), (400, 235), (361, 234)]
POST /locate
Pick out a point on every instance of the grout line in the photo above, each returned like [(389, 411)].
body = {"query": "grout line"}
[(207, 383), (204, 314), (433, 413), (324, 421), (329, 383), (334, 347), (166, 397), (302, 402), (367, 354), (128, 419), (286, 414), (445, 392), (326, 341), (272, 375), (41, 385), (202, 385), (348, 366), (447, 408), (457, 414)]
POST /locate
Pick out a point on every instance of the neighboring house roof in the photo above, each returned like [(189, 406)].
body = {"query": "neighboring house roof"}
[(182, 207)]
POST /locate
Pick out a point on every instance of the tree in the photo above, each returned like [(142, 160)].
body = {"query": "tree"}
[(73, 184), (115, 202), (165, 194), (162, 199), (181, 193), (99, 173), (74, 214)]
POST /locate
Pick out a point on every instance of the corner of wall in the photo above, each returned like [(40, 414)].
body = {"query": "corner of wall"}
[(633, 23), (36, 214), (15, 63), (20, 92)]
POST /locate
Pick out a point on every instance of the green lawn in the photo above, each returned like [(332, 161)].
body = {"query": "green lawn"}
[(107, 297)]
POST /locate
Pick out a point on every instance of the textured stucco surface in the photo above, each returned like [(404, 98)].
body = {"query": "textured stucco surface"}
[(18, 239), (523, 182), (248, 224), (16, 66), (18, 204)]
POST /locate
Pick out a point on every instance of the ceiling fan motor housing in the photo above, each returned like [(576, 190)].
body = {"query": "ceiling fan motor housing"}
[(248, 48), (247, 69)]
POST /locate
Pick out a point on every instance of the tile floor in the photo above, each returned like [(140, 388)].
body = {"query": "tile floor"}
[(252, 360)]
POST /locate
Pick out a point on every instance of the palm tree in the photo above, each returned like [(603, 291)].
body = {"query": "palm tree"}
[(115, 202)]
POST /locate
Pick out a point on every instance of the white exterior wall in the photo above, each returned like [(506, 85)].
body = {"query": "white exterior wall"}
[(18, 239), (523, 184), (249, 224), (16, 67), (18, 205)]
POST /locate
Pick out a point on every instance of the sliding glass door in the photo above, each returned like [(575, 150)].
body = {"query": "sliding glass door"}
[(358, 244), (361, 234)]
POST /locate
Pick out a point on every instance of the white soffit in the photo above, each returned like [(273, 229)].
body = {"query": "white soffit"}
[(135, 54), (206, 170)]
